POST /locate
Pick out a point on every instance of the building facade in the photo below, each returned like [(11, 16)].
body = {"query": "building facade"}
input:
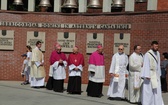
[(140, 26)]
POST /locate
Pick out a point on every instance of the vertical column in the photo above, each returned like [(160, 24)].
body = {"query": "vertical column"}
[(57, 5), (31, 5), (129, 5), (82, 5), (4, 4), (152, 5), (107, 5)]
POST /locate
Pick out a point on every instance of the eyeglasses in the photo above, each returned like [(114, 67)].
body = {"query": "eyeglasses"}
[(120, 49)]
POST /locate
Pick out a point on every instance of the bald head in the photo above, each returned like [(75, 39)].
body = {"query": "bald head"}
[(121, 49), (75, 49)]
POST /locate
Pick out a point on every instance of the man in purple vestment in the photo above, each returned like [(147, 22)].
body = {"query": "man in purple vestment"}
[(57, 74), (96, 73)]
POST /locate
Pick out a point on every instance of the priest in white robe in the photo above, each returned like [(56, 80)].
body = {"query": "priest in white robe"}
[(135, 81), (151, 72), (119, 73), (37, 67)]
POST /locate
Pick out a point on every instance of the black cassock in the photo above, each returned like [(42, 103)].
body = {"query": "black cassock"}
[(74, 85)]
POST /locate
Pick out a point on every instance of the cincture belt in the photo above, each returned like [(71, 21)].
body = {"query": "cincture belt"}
[(117, 75)]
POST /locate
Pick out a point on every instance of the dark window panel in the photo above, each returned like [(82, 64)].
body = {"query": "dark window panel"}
[(23, 7), (50, 9)]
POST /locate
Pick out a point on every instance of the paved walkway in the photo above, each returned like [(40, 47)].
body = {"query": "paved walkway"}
[(12, 93)]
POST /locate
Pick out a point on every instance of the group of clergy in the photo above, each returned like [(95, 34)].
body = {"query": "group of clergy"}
[(57, 73), (143, 76)]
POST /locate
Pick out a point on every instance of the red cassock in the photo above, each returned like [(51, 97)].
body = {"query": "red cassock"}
[(55, 56), (76, 59)]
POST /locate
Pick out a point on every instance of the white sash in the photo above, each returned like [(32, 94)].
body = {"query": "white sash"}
[(153, 70), (116, 79), (137, 80)]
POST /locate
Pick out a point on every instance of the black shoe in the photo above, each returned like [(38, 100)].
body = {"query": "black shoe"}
[(79, 93), (26, 83), (36, 87), (22, 83), (117, 98), (59, 91), (110, 98), (100, 95), (123, 99), (42, 86), (137, 103)]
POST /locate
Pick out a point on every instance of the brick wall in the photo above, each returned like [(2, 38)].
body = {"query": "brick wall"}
[(145, 27), (140, 6), (163, 5)]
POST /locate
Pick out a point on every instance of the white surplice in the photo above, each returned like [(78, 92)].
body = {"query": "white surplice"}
[(118, 67), (73, 72), (99, 76), (59, 70), (134, 82), (151, 93)]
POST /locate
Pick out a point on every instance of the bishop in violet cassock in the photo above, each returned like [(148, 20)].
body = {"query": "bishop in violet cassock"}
[(96, 73), (57, 74)]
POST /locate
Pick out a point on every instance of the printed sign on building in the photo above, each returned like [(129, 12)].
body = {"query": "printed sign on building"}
[(93, 40), (33, 37), (66, 40), (122, 39), (6, 40)]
